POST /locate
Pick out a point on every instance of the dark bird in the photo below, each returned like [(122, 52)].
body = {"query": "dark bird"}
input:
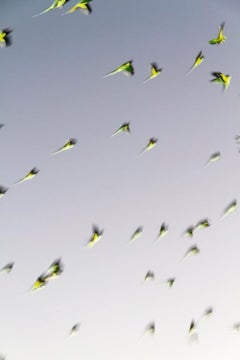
[(5, 38)]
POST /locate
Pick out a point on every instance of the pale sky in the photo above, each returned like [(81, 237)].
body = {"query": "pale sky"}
[(52, 89)]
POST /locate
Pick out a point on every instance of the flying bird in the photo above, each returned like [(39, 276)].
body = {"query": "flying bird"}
[(31, 174), (236, 327), (150, 145), (5, 38), (193, 250), (221, 79), (3, 191), (230, 208), (170, 282), (56, 4), (155, 71), (137, 233), (82, 5), (192, 331), (127, 68), (54, 270), (39, 283), (75, 329), (214, 157), (208, 312), (163, 231), (149, 276), (150, 329), (96, 236), (199, 59), (220, 38), (123, 128), (202, 224), (189, 231), (7, 268), (68, 145)]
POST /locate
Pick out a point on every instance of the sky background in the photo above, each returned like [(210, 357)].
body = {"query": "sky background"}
[(53, 88)]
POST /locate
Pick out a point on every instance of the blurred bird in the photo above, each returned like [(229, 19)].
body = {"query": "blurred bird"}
[(137, 233), (75, 329), (151, 144), (39, 283), (68, 145), (170, 282), (236, 327), (155, 71), (237, 139), (193, 250), (150, 329), (82, 5), (199, 59), (230, 208), (5, 38), (163, 231), (7, 268), (127, 68), (149, 276), (29, 176), (214, 157), (189, 231), (1, 125), (3, 191), (208, 312), (54, 270), (220, 38), (222, 79), (123, 128), (56, 4), (96, 236), (202, 224), (192, 327)]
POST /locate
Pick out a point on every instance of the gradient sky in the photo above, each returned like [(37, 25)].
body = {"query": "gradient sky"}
[(53, 88)]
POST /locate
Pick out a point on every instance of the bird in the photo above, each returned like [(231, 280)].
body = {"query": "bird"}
[(237, 139), (198, 60), (222, 79), (68, 145), (31, 174), (149, 276), (170, 281), (82, 5), (56, 4), (5, 38), (123, 128), (7, 268), (54, 270), (220, 38), (127, 68), (192, 327), (236, 327), (163, 231), (3, 191), (230, 208), (208, 312), (202, 224), (137, 233), (150, 329), (155, 71), (41, 281), (75, 329), (214, 157), (193, 250), (150, 145), (189, 231), (96, 236)]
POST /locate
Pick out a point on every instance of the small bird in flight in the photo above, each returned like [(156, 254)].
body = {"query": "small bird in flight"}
[(123, 128), (155, 71), (127, 68), (150, 145), (193, 250), (56, 4), (214, 157), (68, 145), (149, 276), (82, 5), (230, 208), (220, 38), (5, 39), (163, 231), (54, 270), (222, 79), (3, 191), (202, 224), (137, 233), (96, 236), (75, 329), (31, 174), (7, 268), (40, 283), (199, 59)]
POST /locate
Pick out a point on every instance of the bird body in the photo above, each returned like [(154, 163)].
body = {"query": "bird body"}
[(127, 68), (214, 157), (56, 4), (82, 5), (199, 59), (137, 233), (220, 38), (5, 38), (96, 236), (150, 145), (31, 174), (7, 268), (154, 71), (123, 128), (68, 145), (222, 79)]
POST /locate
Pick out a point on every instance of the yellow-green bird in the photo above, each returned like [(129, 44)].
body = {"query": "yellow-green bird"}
[(189, 231), (125, 127), (202, 224), (137, 233), (220, 38), (222, 79), (82, 5), (56, 4), (169, 282), (7, 268), (150, 329), (3, 191), (31, 174), (39, 283), (230, 208), (199, 59), (68, 145), (150, 145), (193, 250), (154, 71), (214, 157), (149, 276), (163, 231), (96, 236), (5, 39), (75, 329), (127, 68), (54, 270)]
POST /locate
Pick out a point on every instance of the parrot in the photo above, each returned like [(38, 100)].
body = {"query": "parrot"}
[(127, 68)]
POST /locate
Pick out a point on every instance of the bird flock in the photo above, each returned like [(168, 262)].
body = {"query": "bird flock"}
[(56, 269)]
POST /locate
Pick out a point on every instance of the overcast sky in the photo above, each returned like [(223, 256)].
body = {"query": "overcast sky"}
[(52, 89)]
